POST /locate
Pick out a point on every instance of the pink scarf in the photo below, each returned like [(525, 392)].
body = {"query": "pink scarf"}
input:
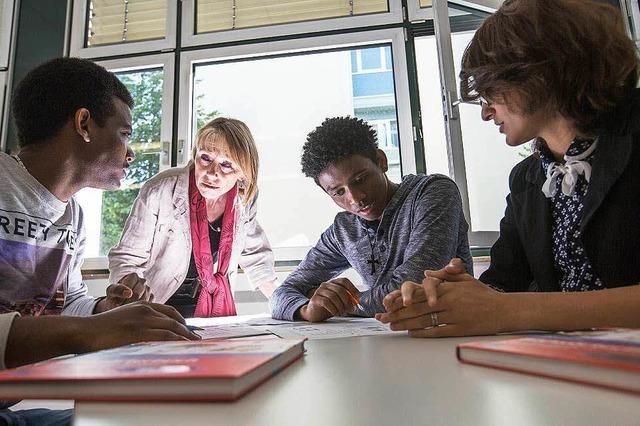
[(216, 298)]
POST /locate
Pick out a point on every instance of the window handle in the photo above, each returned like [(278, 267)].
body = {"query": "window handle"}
[(165, 154), (180, 152)]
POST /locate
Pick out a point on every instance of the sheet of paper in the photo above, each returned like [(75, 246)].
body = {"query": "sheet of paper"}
[(266, 321), (228, 331), (249, 320), (237, 319), (231, 326), (262, 324), (332, 329)]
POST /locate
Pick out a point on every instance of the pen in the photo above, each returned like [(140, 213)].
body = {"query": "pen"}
[(355, 300), (194, 328)]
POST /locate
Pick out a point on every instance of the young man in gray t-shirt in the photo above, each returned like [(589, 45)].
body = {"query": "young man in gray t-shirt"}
[(389, 232)]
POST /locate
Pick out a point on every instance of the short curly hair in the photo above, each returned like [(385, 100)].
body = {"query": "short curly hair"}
[(50, 94), (337, 138)]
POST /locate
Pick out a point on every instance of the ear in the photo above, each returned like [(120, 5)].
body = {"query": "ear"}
[(382, 161), (81, 120), (242, 183)]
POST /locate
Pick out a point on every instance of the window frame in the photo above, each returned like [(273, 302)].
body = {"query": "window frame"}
[(417, 13), (141, 63), (6, 35), (4, 77), (453, 129), (385, 124), (165, 61), (79, 23), (633, 9), (382, 68), (190, 59), (190, 38)]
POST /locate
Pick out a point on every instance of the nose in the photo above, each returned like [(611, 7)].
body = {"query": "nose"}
[(213, 168), (356, 197), (486, 112)]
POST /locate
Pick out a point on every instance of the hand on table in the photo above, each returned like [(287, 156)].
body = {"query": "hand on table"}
[(332, 298), (130, 288), (461, 305), (131, 323)]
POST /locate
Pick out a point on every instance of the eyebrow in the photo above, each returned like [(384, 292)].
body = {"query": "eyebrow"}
[(333, 188)]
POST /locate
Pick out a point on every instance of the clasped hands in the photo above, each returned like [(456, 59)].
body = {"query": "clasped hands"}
[(463, 305)]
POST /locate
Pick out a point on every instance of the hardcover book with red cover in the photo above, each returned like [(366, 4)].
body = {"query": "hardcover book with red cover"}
[(609, 358), (174, 371)]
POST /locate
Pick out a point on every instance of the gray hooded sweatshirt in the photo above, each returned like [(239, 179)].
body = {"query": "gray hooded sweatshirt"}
[(422, 227)]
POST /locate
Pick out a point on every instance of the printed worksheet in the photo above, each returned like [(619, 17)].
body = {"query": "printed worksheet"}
[(228, 327), (228, 331), (333, 328)]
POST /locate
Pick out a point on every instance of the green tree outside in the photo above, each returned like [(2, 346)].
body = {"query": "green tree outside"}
[(146, 90)]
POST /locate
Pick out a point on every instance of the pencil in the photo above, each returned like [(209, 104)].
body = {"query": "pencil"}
[(355, 300)]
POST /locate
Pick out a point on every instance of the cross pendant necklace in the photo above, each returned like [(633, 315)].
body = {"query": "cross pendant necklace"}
[(373, 244), (373, 262)]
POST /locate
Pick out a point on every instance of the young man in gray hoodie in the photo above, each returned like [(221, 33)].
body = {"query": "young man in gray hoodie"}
[(389, 232)]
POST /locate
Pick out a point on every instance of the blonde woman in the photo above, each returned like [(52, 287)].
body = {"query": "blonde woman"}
[(190, 228)]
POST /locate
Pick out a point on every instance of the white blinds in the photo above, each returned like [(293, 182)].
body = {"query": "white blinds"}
[(219, 15), (119, 21)]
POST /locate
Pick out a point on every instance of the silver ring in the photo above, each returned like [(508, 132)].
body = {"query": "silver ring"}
[(434, 319)]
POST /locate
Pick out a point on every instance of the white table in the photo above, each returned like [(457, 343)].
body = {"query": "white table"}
[(387, 380)]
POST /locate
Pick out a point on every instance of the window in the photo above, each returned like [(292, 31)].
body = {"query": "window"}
[(281, 97), (220, 15), (423, 9), (420, 10), (635, 21), (488, 159), (6, 18), (116, 27), (106, 211), (117, 21), (220, 21), (3, 93), (283, 66), (371, 60)]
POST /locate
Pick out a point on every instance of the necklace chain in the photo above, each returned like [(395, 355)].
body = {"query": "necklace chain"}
[(373, 261), (373, 243), (19, 161)]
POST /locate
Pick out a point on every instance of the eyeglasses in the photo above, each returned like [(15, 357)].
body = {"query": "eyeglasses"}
[(480, 101)]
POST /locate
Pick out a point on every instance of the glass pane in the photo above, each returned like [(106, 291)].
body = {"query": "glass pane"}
[(488, 159), (282, 99), (3, 80), (220, 15), (426, 3), (106, 211), (121, 21), (371, 59)]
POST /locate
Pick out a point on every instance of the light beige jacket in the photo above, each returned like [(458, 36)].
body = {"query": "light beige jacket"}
[(6, 320), (156, 239)]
